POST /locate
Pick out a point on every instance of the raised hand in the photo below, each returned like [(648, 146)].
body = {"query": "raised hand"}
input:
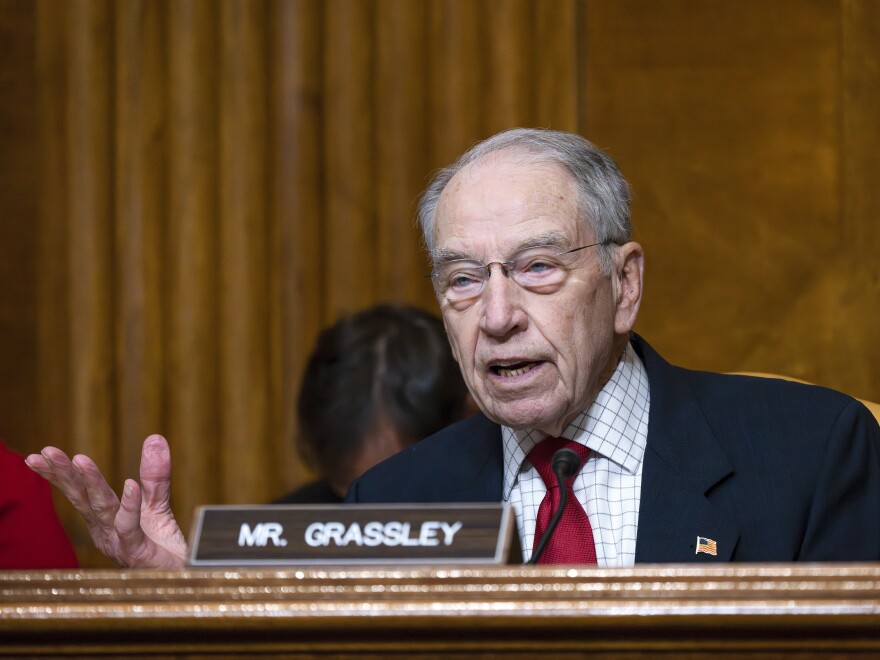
[(138, 530)]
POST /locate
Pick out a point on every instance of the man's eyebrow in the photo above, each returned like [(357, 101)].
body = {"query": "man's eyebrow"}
[(442, 255), (551, 238)]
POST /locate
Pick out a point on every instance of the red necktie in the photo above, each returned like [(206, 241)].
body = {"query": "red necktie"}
[(572, 541)]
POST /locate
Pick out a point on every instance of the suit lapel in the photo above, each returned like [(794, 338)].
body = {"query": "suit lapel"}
[(683, 464), (674, 512)]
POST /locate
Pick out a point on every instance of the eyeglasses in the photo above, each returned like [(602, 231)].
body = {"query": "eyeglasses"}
[(540, 269)]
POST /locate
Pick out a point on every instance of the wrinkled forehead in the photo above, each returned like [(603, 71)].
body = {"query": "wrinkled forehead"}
[(505, 202)]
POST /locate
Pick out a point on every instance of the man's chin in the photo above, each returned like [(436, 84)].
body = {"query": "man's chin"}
[(524, 416)]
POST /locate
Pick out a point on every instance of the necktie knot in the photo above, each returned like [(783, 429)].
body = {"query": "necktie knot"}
[(541, 457), (572, 541)]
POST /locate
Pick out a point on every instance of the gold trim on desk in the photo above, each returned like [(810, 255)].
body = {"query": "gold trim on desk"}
[(811, 609)]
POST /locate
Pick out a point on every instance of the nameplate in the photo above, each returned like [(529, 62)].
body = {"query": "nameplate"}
[(352, 534)]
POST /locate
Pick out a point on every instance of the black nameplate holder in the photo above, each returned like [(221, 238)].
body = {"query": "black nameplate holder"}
[(352, 534)]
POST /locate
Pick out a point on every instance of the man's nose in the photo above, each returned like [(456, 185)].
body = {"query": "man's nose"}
[(502, 266), (500, 300)]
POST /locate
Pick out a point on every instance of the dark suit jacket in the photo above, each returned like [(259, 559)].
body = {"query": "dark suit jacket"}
[(317, 492), (769, 469)]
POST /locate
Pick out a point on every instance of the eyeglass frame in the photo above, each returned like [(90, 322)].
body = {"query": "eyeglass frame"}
[(506, 266)]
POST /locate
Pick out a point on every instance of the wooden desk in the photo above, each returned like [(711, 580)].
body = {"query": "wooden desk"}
[(733, 610)]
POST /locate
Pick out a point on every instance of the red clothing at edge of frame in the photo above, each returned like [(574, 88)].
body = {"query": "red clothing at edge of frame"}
[(31, 536)]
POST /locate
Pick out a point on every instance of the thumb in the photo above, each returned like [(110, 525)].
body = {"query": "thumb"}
[(156, 472)]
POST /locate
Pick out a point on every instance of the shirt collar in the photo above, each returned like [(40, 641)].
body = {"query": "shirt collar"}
[(614, 426)]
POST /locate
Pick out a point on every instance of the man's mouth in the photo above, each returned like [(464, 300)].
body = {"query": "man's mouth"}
[(512, 370)]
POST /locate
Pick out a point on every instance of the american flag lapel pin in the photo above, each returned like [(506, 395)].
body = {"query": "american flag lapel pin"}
[(706, 546)]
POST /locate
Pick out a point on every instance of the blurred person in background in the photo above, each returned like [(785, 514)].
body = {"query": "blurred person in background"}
[(376, 382)]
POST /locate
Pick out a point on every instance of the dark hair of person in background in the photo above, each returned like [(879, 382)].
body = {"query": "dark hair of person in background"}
[(376, 382)]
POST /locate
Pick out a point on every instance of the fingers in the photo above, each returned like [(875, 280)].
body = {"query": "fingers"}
[(53, 465), (83, 484), (132, 541), (156, 473), (79, 480), (137, 530), (147, 539), (103, 502)]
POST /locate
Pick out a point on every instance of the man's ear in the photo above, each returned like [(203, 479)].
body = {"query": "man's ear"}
[(629, 267)]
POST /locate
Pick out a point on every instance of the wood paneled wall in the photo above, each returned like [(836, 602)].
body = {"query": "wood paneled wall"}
[(750, 134), (193, 188)]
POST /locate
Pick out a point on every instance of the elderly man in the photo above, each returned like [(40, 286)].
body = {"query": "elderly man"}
[(539, 284)]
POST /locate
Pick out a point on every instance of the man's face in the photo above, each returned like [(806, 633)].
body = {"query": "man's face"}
[(530, 359)]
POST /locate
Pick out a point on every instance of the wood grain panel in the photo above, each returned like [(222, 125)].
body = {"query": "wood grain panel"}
[(556, 77), (296, 211), (139, 207), (401, 167), (456, 78), (724, 117), (349, 158), (19, 244), (513, 56), (89, 186), (245, 396), (859, 318), (53, 353), (52, 425), (193, 267)]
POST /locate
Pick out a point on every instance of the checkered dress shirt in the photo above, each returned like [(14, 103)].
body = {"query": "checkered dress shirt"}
[(615, 428)]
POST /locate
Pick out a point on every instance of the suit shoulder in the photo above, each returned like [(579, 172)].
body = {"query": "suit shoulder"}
[(763, 392), (797, 418), (452, 438), (442, 467), (733, 391)]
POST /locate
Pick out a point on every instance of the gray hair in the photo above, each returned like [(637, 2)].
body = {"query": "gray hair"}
[(604, 194)]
